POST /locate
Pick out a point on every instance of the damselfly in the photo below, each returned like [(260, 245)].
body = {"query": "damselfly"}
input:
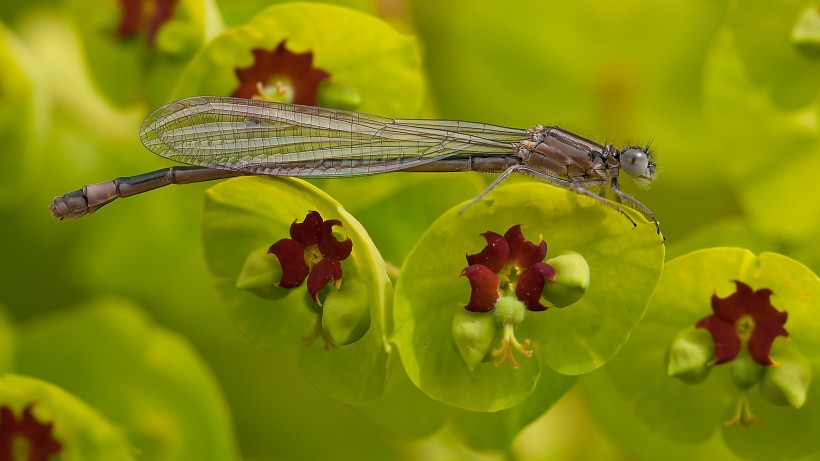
[(225, 137)]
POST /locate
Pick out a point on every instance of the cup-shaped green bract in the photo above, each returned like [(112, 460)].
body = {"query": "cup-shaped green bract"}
[(624, 264), (805, 34), (690, 413), (146, 380), (571, 279), (690, 354), (22, 110), (245, 214), (136, 49), (346, 313), (354, 51), (788, 382), (473, 333), (64, 427), (260, 274)]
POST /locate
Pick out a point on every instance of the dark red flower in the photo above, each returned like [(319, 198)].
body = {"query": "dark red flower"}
[(748, 318), (508, 264), (136, 16), (312, 253), (26, 436), (278, 69), (508, 276)]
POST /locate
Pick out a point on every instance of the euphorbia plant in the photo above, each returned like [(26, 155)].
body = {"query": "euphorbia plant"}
[(508, 277), (136, 49), (40, 422), (444, 342), (311, 54), (276, 240), (729, 341)]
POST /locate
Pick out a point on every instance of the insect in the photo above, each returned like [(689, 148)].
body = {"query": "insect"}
[(224, 137)]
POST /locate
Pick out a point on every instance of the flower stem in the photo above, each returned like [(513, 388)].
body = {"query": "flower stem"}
[(508, 343), (743, 414)]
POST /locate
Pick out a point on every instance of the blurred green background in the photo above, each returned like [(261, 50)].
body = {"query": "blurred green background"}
[(726, 91)]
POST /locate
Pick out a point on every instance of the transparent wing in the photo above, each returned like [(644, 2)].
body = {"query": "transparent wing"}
[(261, 137)]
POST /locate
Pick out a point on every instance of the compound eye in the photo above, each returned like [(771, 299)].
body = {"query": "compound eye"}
[(634, 161)]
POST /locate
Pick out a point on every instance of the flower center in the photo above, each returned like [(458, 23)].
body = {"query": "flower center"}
[(278, 89), (508, 279), (312, 256), (744, 326)]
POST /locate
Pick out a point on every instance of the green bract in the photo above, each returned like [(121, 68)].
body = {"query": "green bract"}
[(805, 34), (128, 69), (81, 431), (472, 335), (146, 380), (235, 13), (245, 214), (624, 264), (690, 354), (571, 279), (692, 412), (357, 50), (260, 274), (346, 313), (789, 382)]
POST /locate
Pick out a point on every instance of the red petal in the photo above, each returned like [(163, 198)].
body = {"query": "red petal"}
[(329, 246), (760, 343), (323, 272), (131, 18), (39, 439), (309, 231), (759, 306), (484, 288), (724, 334), (531, 285), (163, 10), (494, 255), (291, 256), (523, 252), (733, 306)]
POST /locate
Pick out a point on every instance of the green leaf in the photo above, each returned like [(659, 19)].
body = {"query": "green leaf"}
[(737, 105), (359, 51), (146, 380), (624, 264), (84, 434), (22, 126), (244, 214), (691, 413), (129, 70), (762, 32)]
